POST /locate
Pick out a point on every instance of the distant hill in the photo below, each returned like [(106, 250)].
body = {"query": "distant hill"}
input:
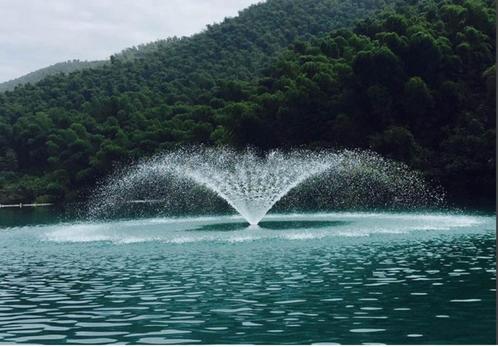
[(127, 54), (64, 68)]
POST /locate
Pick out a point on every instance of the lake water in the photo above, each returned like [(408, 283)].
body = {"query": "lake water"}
[(322, 278)]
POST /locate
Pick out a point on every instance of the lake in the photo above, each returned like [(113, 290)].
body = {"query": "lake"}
[(395, 278)]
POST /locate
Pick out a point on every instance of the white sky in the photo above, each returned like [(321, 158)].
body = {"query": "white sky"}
[(38, 33)]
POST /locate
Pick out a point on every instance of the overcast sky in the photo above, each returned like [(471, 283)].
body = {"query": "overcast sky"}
[(38, 33)]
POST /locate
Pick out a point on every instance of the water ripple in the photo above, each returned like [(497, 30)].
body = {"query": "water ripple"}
[(423, 287)]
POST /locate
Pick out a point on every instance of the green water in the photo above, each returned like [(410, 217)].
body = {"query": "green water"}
[(322, 278)]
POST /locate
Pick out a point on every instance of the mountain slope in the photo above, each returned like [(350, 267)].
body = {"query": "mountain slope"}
[(417, 85), (128, 54), (38, 75), (58, 136)]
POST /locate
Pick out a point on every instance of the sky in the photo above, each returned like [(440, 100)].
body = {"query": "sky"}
[(39, 33)]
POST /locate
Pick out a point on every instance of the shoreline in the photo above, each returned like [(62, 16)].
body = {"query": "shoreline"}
[(21, 205)]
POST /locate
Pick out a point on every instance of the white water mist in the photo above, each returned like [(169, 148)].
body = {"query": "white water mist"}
[(253, 183)]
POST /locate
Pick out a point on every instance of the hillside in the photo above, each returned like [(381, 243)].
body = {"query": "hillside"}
[(60, 135), (128, 54), (36, 76), (415, 82)]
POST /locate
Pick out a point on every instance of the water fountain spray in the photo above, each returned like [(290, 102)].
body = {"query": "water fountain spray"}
[(253, 183)]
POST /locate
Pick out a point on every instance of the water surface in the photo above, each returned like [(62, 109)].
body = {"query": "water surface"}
[(322, 278)]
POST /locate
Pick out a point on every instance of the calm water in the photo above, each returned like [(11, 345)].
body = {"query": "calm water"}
[(329, 278)]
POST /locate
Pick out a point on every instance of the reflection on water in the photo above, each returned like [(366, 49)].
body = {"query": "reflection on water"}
[(272, 225), (14, 216), (300, 224), (222, 227), (403, 282)]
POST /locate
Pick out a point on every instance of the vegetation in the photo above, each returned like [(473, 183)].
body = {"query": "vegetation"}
[(69, 66), (415, 82), (64, 68)]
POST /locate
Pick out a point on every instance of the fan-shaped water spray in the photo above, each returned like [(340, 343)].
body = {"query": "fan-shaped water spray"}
[(252, 184)]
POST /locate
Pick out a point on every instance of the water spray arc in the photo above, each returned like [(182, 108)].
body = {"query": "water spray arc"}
[(252, 184)]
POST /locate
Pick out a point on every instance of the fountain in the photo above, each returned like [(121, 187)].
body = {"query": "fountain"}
[(217, 265), (252, 184)]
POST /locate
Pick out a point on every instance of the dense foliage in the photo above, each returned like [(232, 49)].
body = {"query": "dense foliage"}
[(415, 83), (58, 136)]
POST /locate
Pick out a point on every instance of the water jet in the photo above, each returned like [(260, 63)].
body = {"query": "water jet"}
[(252, 184)]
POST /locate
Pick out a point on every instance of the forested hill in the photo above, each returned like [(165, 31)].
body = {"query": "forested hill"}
[(128, 54), (38, 75), (235, 48), (415, 82), (58, 136)]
